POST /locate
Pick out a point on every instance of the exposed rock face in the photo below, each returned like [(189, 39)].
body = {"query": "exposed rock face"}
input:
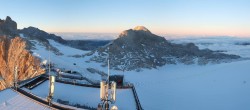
[(8, 27), (13, 53), (138, 48)]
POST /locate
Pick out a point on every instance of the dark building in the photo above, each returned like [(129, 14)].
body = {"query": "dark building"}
[(117, 78)]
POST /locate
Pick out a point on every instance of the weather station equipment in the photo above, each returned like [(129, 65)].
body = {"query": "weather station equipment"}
[(51, 84), (107, 96), (51, 89)]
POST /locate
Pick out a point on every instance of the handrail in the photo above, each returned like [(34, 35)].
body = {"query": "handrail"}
[(138, 104)]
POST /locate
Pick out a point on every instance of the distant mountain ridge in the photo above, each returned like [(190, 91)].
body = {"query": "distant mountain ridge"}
[(138, 48), (9, 27), (42, 36), (36, 33)]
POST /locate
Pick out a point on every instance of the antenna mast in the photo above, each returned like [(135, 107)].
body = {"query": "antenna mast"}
[(108, 70), (104, 91), (107, 84), (51, 84)]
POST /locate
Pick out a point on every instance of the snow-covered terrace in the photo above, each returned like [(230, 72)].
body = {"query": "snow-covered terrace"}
[(86, 96)]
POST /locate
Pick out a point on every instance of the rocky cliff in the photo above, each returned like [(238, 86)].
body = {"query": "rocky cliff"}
[(13, 53)]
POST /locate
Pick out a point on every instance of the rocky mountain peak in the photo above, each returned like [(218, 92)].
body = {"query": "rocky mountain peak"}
[(136, 30), (141, 28), (139, 35), (8, 19), (138, 48), (8, 27)]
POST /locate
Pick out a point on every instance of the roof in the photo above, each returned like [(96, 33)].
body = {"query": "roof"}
[(11, 100)]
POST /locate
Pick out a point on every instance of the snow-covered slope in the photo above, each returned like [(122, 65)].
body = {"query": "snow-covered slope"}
[(66, 61), (223, 86)]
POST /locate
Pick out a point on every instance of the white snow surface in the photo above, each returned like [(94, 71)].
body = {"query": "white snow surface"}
[(192, 87)]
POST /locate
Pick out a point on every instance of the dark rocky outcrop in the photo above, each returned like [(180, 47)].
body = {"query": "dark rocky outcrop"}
[(8, 27)]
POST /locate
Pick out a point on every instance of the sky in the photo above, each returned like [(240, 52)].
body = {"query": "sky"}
[(173, 17)]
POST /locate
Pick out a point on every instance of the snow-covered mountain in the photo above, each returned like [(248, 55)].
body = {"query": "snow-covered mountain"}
[(138, 48)]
